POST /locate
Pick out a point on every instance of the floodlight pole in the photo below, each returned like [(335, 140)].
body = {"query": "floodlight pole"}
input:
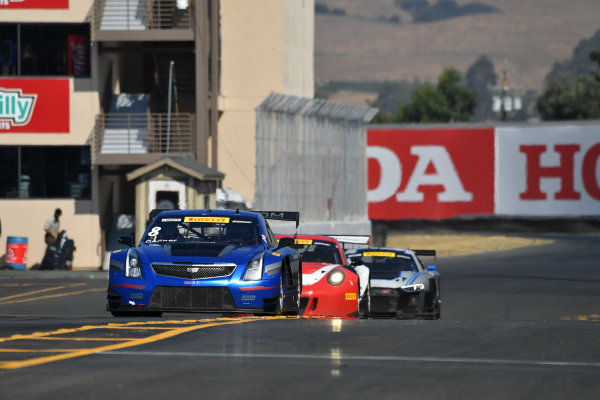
[(503, 94), (171, 67)]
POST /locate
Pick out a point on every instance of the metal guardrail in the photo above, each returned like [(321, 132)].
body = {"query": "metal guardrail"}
[(140, 15), (124, 134)]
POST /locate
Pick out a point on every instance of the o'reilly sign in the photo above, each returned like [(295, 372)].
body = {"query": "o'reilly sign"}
[(15, 107), (39, 105)]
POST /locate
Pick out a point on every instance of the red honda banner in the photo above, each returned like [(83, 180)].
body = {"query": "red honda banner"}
[(41, 4), (430, 173), (78, 55), (34, 106)]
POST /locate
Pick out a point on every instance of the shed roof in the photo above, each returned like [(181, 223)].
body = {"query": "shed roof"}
[(187, 165)]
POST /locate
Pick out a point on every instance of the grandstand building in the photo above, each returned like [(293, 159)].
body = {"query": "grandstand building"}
[(93, 90)]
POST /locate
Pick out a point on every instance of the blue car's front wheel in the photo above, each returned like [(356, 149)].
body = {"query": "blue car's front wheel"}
[(281, 298)]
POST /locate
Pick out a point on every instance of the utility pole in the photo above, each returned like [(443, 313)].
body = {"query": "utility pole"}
[(505, 102), (503, 96), (171, 67)]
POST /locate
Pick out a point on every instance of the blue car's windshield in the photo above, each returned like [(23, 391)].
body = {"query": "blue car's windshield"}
[(217, 229)]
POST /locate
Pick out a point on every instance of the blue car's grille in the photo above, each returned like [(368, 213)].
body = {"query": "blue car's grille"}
[(192, 298), (194, 271)]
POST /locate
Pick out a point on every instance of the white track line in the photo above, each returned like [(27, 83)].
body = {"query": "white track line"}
[(447, 360)]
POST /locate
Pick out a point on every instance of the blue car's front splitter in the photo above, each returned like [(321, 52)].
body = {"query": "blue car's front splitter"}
[(193, 295)]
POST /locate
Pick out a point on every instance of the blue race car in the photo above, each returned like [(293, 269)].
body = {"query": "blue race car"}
[(399, 284), (207, 261)]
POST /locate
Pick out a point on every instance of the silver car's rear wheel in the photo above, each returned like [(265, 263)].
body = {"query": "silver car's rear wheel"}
[(364, 303)]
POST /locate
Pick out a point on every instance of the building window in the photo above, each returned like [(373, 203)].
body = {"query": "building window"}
[(8, 49), (45, 172), (45, 50)]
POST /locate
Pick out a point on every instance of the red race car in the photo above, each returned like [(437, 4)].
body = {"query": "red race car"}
[(329, 286)]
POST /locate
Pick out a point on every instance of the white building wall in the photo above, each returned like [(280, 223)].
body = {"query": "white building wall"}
[(26, 218), (266, 45)]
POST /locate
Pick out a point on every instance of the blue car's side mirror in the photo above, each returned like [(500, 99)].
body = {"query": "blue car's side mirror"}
[(126, 240), (284, 242)]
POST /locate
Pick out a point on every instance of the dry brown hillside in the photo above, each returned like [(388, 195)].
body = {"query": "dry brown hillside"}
[(529, 34)]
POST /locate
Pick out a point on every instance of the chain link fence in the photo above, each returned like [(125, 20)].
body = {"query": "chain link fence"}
[(311, 157)]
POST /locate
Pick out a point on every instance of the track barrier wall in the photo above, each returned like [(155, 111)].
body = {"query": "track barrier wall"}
[(543, 171)]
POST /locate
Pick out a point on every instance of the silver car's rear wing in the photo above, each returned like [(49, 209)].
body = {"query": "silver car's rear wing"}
[(282, 216), (429, 253), (352, 241)]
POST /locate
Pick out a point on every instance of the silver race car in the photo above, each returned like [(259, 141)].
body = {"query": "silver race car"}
[(400, 285)]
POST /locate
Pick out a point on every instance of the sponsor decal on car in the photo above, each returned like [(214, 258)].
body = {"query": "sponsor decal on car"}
[(350, 296), (170, 220), (192, 282), (379, 254), (303, 241), (218, 220)]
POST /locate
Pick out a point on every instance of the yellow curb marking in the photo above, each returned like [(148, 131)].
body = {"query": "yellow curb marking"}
[(52, 296), (17, 284), (590, 317), (94, 339), (38, 351), (129, 343), (2, 299)]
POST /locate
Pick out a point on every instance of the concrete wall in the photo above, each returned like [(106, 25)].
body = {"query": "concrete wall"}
[(266, 45), (27, 217)]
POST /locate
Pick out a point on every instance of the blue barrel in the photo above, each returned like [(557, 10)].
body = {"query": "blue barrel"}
[(16, 252)]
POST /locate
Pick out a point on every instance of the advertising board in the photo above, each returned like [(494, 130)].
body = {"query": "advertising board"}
[(549, 170), (34, 105), (34, 4), (430, 173)]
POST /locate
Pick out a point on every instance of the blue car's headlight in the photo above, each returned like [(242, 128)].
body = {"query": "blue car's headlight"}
[(254, 270), (133, 266)]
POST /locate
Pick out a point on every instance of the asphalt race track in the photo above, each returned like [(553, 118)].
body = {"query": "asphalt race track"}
[(520, 324)]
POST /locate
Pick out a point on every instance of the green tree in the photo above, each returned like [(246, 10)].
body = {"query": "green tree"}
[(580, 63), (449, 101), (569, 100), (480, 76), (577, 98)]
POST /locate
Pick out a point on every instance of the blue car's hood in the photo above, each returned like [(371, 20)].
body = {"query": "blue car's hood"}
[(198, 253)]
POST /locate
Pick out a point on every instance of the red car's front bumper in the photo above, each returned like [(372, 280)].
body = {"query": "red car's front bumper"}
[(324, 299)]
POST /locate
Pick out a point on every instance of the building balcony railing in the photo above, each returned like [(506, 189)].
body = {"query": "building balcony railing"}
[(142, 138), (142, 20)]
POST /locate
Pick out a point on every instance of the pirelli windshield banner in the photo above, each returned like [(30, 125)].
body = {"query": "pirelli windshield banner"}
[(34, 106), (33, 4), (439, 173)]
